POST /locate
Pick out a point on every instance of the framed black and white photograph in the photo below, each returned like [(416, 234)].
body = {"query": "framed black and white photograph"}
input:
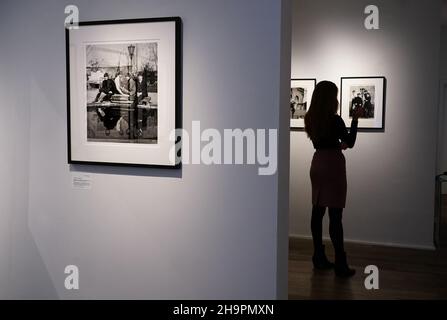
[(367, 93), (301, 91), (123, 91)]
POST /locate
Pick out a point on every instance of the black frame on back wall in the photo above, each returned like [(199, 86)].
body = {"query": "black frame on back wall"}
[(178, 86), (367, 129), (301, 128), (360, 129)]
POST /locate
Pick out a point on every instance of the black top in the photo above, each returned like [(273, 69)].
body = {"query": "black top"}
[(109, 86), (337, 134)]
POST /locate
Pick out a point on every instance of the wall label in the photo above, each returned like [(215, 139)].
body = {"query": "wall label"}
[(81, 181)]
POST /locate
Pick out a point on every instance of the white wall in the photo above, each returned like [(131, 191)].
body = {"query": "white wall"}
[(201, 232), (390, 174), (22, 271), (282, 225)]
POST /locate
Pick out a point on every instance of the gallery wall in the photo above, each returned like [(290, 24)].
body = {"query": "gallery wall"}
[(199, 232), (23, 273), (6, 200), (390, 174)]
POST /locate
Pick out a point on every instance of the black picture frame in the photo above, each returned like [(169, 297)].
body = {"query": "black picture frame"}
[(362, 128), (178, 87), (314, 80)]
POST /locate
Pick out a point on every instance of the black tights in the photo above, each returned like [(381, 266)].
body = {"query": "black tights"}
[(335, 228)]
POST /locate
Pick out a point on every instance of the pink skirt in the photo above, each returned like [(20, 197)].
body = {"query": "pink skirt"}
[(328, 177)]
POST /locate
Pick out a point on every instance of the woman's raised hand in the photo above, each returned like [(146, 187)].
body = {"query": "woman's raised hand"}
[(358, 113)]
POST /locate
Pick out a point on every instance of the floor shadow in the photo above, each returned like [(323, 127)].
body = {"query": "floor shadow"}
[(325, 285)]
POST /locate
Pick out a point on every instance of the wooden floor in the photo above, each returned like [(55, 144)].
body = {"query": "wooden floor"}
[(404, 273)]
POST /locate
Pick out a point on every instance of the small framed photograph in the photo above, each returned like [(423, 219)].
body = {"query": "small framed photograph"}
[(367, 93), (124, 91), (301, 91)]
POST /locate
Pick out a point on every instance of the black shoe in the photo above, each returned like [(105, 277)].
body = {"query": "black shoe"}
[(320, 260), (341, 268)]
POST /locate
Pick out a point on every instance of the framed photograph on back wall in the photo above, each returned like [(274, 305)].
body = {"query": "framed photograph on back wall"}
[(301, 91), (123, 91), (367, 93)]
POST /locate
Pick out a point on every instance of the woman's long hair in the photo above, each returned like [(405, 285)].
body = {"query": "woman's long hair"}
[(323, 107)]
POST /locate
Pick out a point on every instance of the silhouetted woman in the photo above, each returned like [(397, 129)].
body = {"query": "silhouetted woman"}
[(329, 136)]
